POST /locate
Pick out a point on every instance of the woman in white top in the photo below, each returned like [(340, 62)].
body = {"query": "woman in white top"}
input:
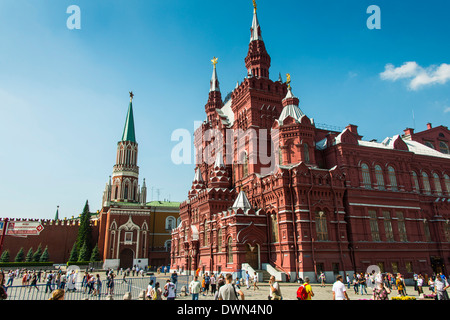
[(431, 284), (150, 290), (212, 283), (255, 280)]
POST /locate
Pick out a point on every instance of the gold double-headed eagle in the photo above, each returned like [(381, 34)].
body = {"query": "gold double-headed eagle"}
[(288, 80), (214, 61), (254, 4)]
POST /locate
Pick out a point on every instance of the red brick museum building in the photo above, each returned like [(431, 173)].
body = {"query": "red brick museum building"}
[(333, 202)]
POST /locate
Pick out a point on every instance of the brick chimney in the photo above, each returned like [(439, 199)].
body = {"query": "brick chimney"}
[(353, 128), (408, 131)]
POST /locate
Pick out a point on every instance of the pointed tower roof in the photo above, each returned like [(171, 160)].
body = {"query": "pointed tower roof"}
[(214, 84), (128, 130), (241, 202), (290, 104), (198, 177), (197, 184), (57, 213), (257, 61), (256, 29), (219, 161)]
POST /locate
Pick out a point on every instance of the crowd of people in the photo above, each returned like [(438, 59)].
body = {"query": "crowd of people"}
[(382, 285), (378, 286)]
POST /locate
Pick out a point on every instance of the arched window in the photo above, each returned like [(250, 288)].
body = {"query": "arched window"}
[(447, 230), (127, 161), (380, 178), (274, 228), (388, 226), (374, 225), (116, 192), (170, 223), (401, 227), (444, 147), (245, 166), (392, 178), (447, 183), (219, 240), (437, 184), (230, 250), (206, 238), (426, 183), (426, 228), (306, 152), (321, 226), (416, 181), (366, 176), (429, 144), (125, 196), (168, 245)]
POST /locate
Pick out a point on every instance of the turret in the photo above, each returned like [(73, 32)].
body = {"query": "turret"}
[(257, 61)]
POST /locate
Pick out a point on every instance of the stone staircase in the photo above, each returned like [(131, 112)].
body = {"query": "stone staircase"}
[(266, 275)]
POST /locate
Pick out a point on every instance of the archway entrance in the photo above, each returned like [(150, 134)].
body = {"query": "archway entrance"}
[(252, 256), (126, 258)]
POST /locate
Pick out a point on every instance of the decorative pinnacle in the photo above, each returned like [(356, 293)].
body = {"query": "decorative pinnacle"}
[(131, 96), (288, 80), (254, 4), (214, 61)]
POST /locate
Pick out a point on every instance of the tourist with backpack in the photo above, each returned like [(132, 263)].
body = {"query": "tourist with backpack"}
[(304, 292), (169, 290), (49, 286)]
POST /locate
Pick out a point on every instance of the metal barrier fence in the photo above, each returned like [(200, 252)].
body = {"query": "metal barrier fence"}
[(133, 285)]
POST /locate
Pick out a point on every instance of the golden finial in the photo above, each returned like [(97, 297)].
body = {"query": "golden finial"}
[(254, 4), (288, 80), (131, 96), (214, 61)]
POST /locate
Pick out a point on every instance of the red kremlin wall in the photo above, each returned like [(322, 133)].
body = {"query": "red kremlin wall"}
[(58, 235)]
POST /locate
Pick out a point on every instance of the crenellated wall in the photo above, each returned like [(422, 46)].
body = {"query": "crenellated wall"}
[(58, 235)]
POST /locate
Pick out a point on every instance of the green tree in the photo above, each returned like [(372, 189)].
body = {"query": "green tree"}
[(84, 253), (74, 253), (5, 256), (20, 256), (85, 230), (45, 256), (29, 257), (95, 255), (37, 254)]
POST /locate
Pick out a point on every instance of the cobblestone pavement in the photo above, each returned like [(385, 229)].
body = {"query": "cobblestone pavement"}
[(289, 291)]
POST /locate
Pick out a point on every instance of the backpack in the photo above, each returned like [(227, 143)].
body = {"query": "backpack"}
[(154, 294), (301, 293)]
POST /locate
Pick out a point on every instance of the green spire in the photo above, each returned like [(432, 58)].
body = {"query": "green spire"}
[(57, 214), (128, 130)]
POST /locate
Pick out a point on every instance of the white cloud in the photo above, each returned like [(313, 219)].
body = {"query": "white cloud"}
[(447, 109), (417, 75), (407, 70)]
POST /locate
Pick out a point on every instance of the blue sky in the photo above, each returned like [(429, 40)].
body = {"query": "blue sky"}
[(64, 93)]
